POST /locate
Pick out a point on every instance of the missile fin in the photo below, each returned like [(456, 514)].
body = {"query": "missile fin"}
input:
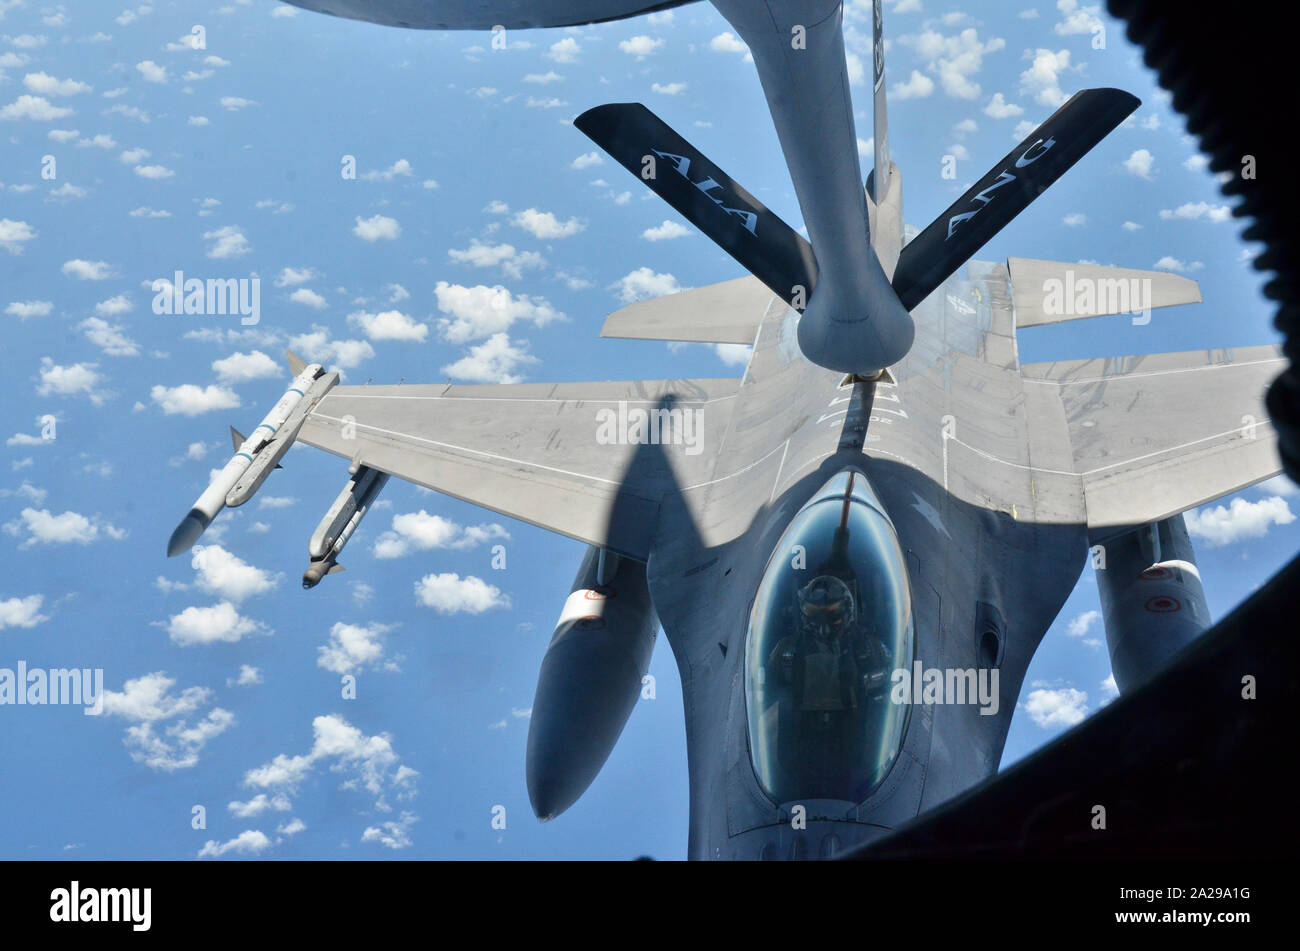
[(296, 363), (335, 569)]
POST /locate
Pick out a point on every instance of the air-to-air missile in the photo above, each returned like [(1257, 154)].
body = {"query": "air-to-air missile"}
[(340, 521), (257, 455)]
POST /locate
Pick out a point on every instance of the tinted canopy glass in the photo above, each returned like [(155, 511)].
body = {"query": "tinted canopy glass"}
[(831, 621)]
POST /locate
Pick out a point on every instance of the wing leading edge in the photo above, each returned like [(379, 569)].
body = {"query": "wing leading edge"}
[(588, 460)]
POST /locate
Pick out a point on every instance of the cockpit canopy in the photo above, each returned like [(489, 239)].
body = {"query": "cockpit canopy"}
[(831, 621)]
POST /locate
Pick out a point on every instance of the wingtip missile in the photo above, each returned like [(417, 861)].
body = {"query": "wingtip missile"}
[(265, 446), (187, 533)]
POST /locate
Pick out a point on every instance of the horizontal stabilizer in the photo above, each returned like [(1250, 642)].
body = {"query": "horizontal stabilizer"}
[(706, 196), (990, 204), (1155, 435), (1048, 292), (729, 312)]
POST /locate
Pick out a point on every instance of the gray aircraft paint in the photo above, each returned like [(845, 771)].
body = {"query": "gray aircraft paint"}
[(996, 477)]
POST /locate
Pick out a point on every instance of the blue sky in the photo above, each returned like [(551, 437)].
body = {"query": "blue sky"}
[(225, 162)]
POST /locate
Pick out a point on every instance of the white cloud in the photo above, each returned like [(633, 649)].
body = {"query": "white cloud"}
[(1042, 80), (70, 380), (259, 803), (954, 59), (155, 172), (544, 224), (148, 703), (1240, 519), (511, 261), (394, 834), (376, 228), (449, 593), (108, 337), (400, 168), (370, 761), (190, 400), (917, 86), (1074, 219), (544, 79), (1170, 263), (643, 283), (134, 156), (1081, 625), (69, 528), (585, 160), (151, 71), (36, 108), (1193, 210), (22, 612), (22, 309), (229, 577), (294, 275), (733, 354), (317, 346), (227, 242), (218, 623), (308, 297), (114, 306), (234, 103), (495, 360), (1140, 163), (1056, 708), (420, 531), (13, 234), (248, 677), (640, 46), (250, 841), (389, 325), (1077, 21), (565, 51), (87, 270), (665, 231), (999, 108), (727, 43), (1131, 226), (481, 311), (45, 85), (242, 367), (352, 647), (668, 89)]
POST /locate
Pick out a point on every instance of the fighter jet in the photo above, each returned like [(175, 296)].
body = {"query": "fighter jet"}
[(855, 547)]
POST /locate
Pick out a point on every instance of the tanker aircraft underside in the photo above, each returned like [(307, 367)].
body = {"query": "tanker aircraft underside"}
[(885, 508)]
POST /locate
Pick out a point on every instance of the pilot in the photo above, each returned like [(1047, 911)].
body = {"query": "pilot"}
[(831, 663)]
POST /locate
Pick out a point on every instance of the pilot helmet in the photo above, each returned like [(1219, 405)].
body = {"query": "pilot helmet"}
[(826, 607)]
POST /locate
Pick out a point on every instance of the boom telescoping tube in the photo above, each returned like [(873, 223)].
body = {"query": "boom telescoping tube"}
[(213, 499)]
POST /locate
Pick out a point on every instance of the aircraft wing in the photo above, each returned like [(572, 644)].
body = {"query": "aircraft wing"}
[(1156, 435), (551, 454)]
